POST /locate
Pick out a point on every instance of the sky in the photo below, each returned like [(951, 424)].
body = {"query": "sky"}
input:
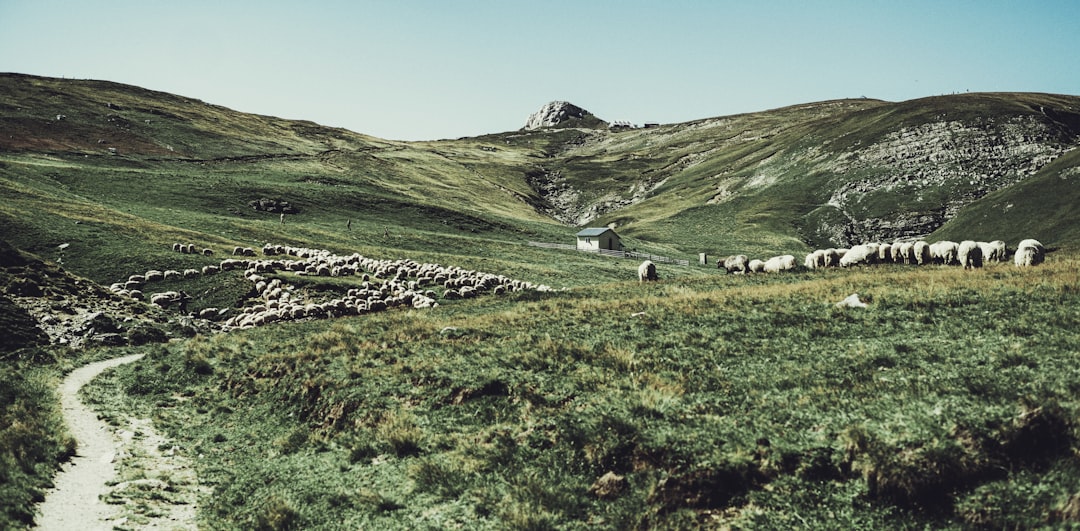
[(426, 70)]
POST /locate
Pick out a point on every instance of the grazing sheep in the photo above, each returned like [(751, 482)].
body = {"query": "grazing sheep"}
[(1029, 253), (191, 273), (994, 251), (237, 251), (177, 247), (885, 252), (921, 251), (777, 264), (859, 254), (897, 252), (969, 254), (907, 253), (832, 257), (647, 271), (944, 252), (756, 266), (208, 252), (736, 264)]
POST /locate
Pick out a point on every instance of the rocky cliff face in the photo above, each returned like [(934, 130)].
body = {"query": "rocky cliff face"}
[(553, 114), (935, 169)]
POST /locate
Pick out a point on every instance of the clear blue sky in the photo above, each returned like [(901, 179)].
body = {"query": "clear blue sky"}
[(421, 70)]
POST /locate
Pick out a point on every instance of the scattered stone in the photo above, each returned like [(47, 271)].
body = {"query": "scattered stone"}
[(852, 301), (609, 486)]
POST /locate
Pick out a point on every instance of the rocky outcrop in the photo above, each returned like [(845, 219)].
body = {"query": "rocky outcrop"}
[(45, 305), (935, 169), (553, 114), (273, 205)]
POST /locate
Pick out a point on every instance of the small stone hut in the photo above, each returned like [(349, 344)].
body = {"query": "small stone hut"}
[(598, 239)]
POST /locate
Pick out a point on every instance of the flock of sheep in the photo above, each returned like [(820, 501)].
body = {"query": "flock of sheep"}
[(389, 283), (383, 284), (968, 254)]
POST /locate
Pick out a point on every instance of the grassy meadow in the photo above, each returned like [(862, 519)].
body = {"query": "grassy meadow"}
[(703, 400), (709, 401)]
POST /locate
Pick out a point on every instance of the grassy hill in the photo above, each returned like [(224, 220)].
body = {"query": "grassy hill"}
[(704, 400)]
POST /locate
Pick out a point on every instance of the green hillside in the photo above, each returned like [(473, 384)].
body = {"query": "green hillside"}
[(704, 400)]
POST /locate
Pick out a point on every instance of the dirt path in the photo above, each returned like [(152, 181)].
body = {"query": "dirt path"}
[(156, 489)]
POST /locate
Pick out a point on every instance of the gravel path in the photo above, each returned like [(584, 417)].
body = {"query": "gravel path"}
[(88, 496)]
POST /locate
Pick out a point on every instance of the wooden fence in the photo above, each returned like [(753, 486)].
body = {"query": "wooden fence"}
[(615, 254)]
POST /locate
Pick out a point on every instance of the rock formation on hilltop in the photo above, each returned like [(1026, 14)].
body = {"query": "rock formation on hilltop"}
[(555, 113)]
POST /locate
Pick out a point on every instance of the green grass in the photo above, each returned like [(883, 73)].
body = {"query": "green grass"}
[(722, 401), (744, 401)]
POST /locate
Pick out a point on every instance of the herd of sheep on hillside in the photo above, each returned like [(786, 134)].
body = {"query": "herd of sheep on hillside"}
[(383, 284), (968, 254), (390, 283)]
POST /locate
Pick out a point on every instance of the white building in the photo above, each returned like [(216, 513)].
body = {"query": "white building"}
[(598, 238)]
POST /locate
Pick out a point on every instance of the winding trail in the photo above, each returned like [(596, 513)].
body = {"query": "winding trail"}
[(75, 502), (78, 500)]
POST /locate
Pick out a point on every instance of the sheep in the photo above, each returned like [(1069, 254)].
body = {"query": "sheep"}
[(944, 252), (921, 252), (994, 251), (177, 247), (208, 252), (832, 257), (736, 264), (647, 271), (969, 254), (191, 273), (172, 275), (907, 253), (885, 252), (777, 264), (1029, 253), (237, 251), (165, 299), (756, 266), (897, 252), (189, 248), (859, 254)]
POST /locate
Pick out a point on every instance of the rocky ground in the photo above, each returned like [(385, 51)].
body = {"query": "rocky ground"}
[(45, 305)]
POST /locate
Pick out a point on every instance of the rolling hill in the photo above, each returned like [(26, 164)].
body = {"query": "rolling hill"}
[(149, 166), (704, 400)]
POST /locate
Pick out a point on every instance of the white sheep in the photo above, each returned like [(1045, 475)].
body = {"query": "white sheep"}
[(859, 254), (907, 253), (1029, 253), (969, 254), (756, 266), (920, 250), (885, 252), (646, 272), (736, 264), (897, 249), (777, 264), (994, 251), (944, 252)]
